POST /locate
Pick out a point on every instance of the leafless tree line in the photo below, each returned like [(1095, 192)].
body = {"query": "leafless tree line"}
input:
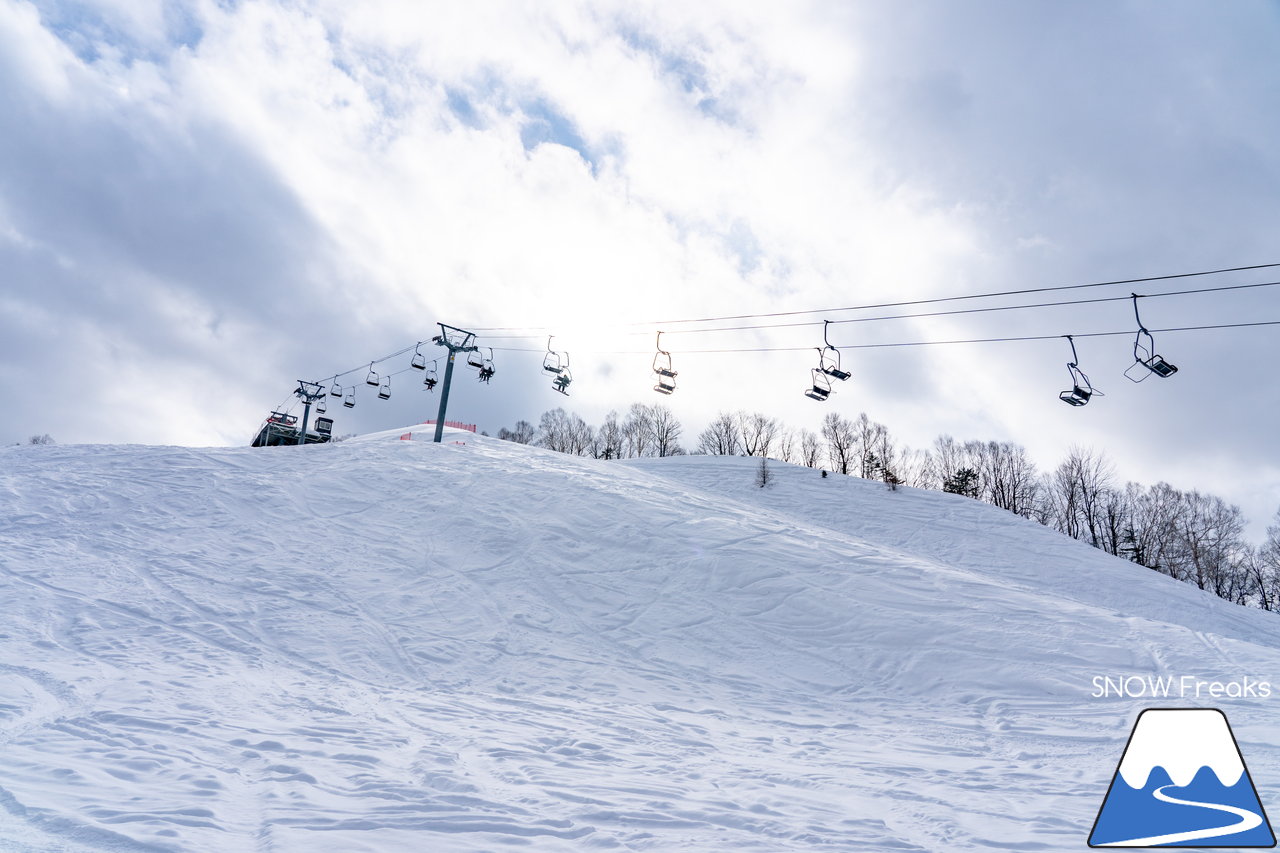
[(643, 431), (1193, 537)]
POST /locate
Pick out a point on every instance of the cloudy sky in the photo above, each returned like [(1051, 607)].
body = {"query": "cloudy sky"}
[(203, 201)]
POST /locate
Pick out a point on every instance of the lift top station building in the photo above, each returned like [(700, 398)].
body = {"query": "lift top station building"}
[(280, 429)]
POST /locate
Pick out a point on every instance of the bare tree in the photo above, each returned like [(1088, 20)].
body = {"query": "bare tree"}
[(758, 431), (810, 449), (637, 432), (522, 433), (787, 445), (1265, 569), (609, 439), (1008, 476), (553, 430), (666, 431), (1078, 490), (840, 438), (763, 475), (1210, 532), (721, 437), (917, 468)]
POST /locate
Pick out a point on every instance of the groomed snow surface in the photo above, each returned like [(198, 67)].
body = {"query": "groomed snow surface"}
[(387, 645)]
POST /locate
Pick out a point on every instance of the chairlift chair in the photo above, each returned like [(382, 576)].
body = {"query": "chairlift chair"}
[(829, 357), (1144, 353), (475, 359), (321, 406), (552, 362), (663, 368), (820, 389), (486, 367), (419, 361), (372, 378), (350, 399), (1082, 389), (336, 390), (384, 390), (431, 378), (561, 382)]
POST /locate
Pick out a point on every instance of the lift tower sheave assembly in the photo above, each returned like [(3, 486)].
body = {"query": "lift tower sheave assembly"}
[(455, 340), (308, 393)]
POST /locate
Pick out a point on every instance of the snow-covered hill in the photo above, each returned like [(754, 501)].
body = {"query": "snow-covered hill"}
[(389, 645)]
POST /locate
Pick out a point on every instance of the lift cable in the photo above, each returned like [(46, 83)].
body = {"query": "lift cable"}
[(930, 301), (926, 343), (935, 313)]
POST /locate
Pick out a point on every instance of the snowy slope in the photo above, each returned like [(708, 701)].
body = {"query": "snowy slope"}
[(392, 645)]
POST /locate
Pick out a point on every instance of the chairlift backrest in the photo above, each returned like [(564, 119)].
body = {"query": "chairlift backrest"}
[(821, 386), (372, 378)]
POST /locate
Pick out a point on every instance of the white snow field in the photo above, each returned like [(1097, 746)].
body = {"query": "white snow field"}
[(388, 645)]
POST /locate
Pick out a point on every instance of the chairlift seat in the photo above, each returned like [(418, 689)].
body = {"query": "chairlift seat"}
[(664, 389), (1077, 396), (837, 373), (418, 361), (372, 379), (350, 403), (384, 393), (817, 393), (665, 371), (1157, 365)]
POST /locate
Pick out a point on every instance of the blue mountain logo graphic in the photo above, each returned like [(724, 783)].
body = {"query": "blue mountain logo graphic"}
[(1182, 782)]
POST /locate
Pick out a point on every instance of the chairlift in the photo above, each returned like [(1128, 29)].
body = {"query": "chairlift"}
[(829, 358), (1081, 388), (431, 378), (384, 390), (419, 361), (336, 390), (551, 362), (372, 378), (663, 368), (561, 382), (321, 406), (475, 359), (1144, 353), (350, 399), (486, 368), (820, 386)]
